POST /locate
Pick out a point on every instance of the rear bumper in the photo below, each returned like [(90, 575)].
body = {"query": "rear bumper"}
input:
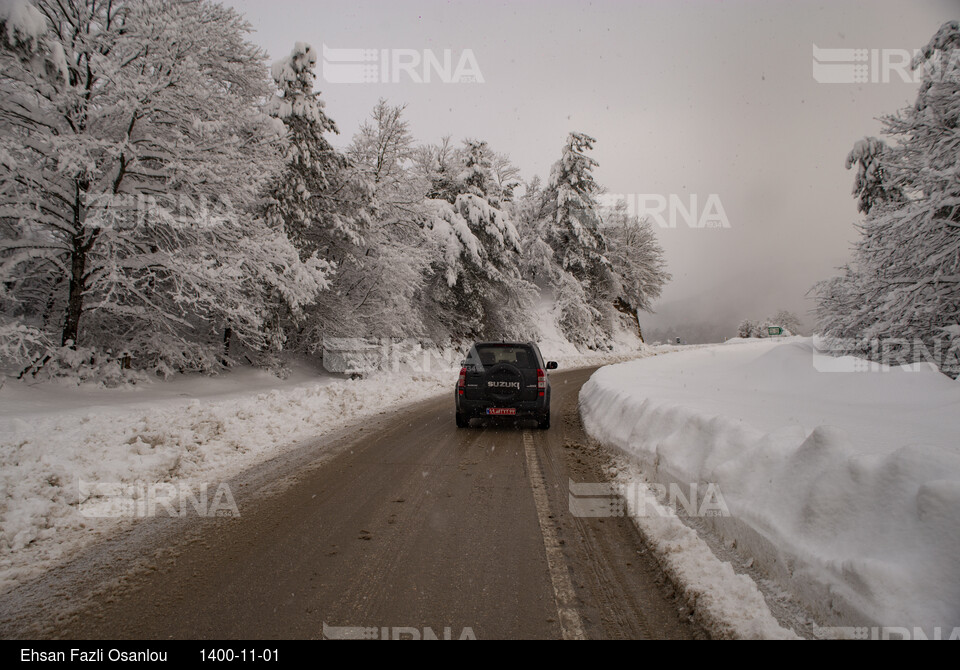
[(524, 408)]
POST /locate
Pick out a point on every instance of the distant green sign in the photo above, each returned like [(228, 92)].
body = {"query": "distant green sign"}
[(774, 330)]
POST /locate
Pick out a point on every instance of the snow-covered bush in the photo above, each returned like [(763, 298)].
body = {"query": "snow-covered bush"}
[(787, 322), (21, 344), (83, 365)]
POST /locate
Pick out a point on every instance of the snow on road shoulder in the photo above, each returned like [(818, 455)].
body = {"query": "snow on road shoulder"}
[(160, 440), (843, 487), (726, 604)]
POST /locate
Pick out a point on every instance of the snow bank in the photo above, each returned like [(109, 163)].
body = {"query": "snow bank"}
[(844, 487), (156, 436), (727, 604)]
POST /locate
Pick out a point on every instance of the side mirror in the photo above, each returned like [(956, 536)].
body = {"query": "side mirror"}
[(551, 365)]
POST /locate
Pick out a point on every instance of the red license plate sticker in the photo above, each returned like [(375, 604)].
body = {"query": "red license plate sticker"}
[(502, 411)]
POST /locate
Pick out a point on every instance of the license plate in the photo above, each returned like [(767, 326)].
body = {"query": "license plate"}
[(501, 411)]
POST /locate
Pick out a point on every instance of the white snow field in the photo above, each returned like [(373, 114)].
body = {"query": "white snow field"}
[(186, 433), (842, 487), (191, 431)]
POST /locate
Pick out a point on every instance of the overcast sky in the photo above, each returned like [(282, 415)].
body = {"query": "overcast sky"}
[(684, 98)]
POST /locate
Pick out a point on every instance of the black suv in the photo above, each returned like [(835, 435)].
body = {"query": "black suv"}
[(504, 379)]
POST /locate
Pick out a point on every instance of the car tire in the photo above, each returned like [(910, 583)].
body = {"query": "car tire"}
[(543, 423), (462, 420)]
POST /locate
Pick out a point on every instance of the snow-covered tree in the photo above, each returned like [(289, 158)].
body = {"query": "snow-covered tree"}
[(618, 267), (319, 198), (315, 198), (904, 281), (576, 236), (383, 152), (637, 260), (506, 177), (441, 166), (783, 319), (533, 213), (133, 157), (383, 286), (872, 185), (477, 174), (579, 247), (747, 328), (839, 308), (478, 277)]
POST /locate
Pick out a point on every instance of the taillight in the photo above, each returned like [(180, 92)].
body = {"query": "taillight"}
[(541, 382), (462, 382)]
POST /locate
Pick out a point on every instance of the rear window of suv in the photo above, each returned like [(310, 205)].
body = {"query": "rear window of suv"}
[(492, 354)]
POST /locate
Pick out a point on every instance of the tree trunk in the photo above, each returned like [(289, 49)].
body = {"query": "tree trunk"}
[(227, 338), (78, 265), (623, 307), (81, 244)]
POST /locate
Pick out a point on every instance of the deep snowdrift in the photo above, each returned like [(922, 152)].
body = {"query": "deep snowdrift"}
[(844, 487)]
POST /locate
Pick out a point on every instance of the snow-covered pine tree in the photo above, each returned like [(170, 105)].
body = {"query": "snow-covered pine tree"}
[(316, 199), (872, 185), (845, 306), (902, 291), (477, 174), (132, 158), (578, 242), (319, 198), (475, 288), (576, 236)]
